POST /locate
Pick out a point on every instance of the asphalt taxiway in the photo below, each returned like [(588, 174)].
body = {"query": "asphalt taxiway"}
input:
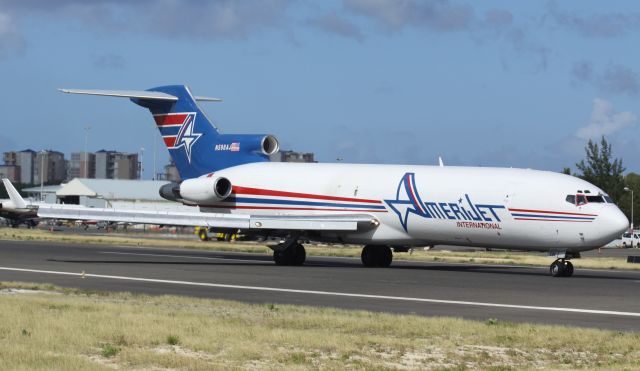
[(593, 298)]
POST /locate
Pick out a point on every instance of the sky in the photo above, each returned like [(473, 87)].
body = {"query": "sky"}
[(491, 83)]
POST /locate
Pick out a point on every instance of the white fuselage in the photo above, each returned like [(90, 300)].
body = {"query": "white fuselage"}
[(430, 205)]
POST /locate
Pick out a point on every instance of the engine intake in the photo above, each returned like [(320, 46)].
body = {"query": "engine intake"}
[(270, 145)]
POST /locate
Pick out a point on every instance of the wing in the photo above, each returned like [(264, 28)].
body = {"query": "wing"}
[(352, 222)]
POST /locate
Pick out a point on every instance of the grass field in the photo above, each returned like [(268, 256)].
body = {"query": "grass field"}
[(477, 257), (44, 327)]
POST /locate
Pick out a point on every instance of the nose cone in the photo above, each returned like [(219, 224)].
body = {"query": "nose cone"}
[(614, 223)]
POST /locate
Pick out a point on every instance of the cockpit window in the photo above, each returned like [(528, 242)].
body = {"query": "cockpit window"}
[(581, 199), (595, 199)]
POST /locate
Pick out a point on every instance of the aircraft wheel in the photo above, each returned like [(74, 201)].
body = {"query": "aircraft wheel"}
[(294, 255), (385, 256), (369, 256), (568, 269), (202, 233), (299, 254), (557, 269), (376, 256), (280, 258)]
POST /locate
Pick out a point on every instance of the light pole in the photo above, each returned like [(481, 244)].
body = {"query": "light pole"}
[(630, 190), (42, 153), (86, 140), (140, 162)]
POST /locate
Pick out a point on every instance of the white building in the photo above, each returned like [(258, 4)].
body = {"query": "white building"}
[(116, 193)]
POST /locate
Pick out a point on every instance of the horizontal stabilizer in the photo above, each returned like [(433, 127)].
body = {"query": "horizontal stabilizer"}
[(207, 99), (139, 94)]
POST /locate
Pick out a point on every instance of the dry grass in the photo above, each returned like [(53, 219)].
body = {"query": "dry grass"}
[(477, 257), (71, 330)]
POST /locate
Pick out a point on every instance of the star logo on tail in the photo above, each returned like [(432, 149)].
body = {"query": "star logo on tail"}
[(407, 200), (187, 136)]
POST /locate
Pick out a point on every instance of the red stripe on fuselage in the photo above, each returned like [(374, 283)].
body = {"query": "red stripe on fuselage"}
[(550, 212), (268, 192), (162, 120)]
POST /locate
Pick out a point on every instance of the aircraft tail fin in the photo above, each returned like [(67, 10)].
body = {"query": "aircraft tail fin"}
[(14, 196), (193, 141)]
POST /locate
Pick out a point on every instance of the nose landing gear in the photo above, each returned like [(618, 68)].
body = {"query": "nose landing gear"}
[(561, 268)]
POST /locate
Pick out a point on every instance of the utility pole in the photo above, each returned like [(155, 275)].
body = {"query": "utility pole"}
[(140, 161), (630, 190), (42, 153), (86, 157)]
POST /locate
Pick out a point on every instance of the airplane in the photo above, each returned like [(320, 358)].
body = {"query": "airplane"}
[(18, 213), (231, 183)]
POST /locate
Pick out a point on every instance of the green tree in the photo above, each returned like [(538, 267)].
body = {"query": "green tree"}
[(600, 169)]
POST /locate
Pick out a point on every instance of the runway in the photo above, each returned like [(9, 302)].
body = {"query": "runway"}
[(592, 298)]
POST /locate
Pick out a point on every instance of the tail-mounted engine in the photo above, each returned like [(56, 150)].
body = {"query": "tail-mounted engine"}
[(197, 191)]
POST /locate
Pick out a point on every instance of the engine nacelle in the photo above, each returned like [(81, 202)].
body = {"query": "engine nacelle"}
[(265, 145), (171, 192), (205, 190)]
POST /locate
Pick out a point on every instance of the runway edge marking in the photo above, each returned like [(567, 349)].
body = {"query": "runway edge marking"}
[(329, 293)]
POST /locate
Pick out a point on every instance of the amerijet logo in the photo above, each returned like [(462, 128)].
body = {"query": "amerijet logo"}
[(464, 211), (178, 131)]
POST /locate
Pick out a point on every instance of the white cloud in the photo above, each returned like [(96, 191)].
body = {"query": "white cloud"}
[(336, 24), (394, 15), (606, 121), (10, 39)]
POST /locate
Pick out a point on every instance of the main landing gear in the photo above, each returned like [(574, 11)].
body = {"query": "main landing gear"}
[(289, 253), (561, 268), (376, 256)]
